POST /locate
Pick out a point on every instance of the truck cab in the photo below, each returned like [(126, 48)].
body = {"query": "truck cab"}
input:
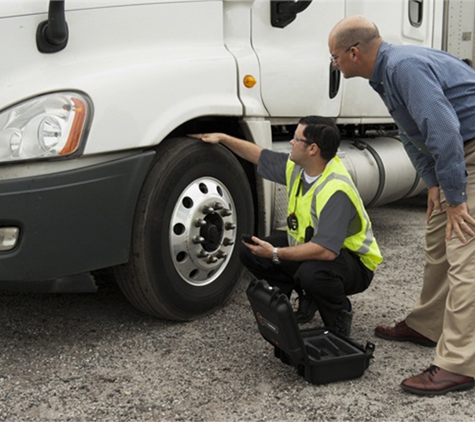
[(96, 102)]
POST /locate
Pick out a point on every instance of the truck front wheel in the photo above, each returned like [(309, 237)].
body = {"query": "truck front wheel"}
[(184, 261)]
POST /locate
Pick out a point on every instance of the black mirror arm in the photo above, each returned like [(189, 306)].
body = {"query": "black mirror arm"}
[(52, 35)]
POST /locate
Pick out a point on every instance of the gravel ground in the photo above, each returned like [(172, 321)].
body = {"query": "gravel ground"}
[(92, 357)]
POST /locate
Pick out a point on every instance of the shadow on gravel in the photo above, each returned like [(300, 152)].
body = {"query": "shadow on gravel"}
[(65, 317)]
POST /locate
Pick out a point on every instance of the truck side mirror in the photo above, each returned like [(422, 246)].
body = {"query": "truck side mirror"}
[(284, 13)]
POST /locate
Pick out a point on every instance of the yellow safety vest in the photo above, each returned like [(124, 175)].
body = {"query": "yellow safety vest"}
[(307, 208)]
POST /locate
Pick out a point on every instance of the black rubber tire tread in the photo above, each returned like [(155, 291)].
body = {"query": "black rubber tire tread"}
[(148, 280)]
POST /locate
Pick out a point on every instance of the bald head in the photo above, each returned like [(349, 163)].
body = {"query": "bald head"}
[(354, 43), (355, 29)]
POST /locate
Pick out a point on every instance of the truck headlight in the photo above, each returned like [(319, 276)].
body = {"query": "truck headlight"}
[(48, 126)]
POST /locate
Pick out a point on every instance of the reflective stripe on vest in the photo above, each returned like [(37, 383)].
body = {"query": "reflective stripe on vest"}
[(334, 178)]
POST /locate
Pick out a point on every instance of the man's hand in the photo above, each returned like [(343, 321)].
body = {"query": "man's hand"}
[(247, 150), (459, 221), (458, 218), (433, 201), (262, 248), (210, 138), (305, 252)]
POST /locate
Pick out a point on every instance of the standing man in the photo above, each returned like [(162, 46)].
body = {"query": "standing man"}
[(329, 250), (431, 96)]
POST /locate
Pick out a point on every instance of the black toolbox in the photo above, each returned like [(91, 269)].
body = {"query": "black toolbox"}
[(320, 355)]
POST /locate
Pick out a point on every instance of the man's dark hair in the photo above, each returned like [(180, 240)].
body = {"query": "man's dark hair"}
[(323, 132)]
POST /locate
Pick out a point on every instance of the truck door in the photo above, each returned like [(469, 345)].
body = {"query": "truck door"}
[(294, 60)]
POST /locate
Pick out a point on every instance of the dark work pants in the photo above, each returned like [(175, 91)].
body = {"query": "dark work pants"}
[(328, 282)]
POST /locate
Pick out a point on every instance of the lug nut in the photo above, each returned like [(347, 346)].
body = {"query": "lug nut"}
[(203, 254), (230, 226), (200, 223), (212, 260), (207, 209), (228, 242), (218, 206), (226, 213), (221, 254), (198, 239)]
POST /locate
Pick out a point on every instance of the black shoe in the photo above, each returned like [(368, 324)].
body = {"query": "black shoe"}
[(306, 310), (343, 323)]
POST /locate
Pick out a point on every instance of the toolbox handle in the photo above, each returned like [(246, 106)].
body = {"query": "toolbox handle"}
[(369, 349)]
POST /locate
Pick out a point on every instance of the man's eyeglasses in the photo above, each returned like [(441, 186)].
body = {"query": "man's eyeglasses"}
[(305, 141), (334, 59)]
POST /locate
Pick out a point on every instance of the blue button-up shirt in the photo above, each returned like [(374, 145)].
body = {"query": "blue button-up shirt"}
[(431, 96)]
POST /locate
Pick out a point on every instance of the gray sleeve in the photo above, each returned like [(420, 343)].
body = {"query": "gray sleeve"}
[(338, 220), (272, 165)]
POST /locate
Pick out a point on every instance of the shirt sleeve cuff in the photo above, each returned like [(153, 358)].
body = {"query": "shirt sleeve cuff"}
[(455, 197)]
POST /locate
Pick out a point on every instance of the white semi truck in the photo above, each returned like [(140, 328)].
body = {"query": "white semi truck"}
[(96, 100)]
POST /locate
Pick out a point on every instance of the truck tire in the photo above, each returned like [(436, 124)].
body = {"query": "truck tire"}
[(184, 259)]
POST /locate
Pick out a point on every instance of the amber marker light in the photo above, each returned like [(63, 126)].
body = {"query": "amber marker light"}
[(249, 81), (77, 127)]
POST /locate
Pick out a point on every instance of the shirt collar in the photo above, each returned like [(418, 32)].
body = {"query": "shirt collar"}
[(379, 65)]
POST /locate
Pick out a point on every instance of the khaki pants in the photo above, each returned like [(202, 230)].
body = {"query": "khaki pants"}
[(445, 311)]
